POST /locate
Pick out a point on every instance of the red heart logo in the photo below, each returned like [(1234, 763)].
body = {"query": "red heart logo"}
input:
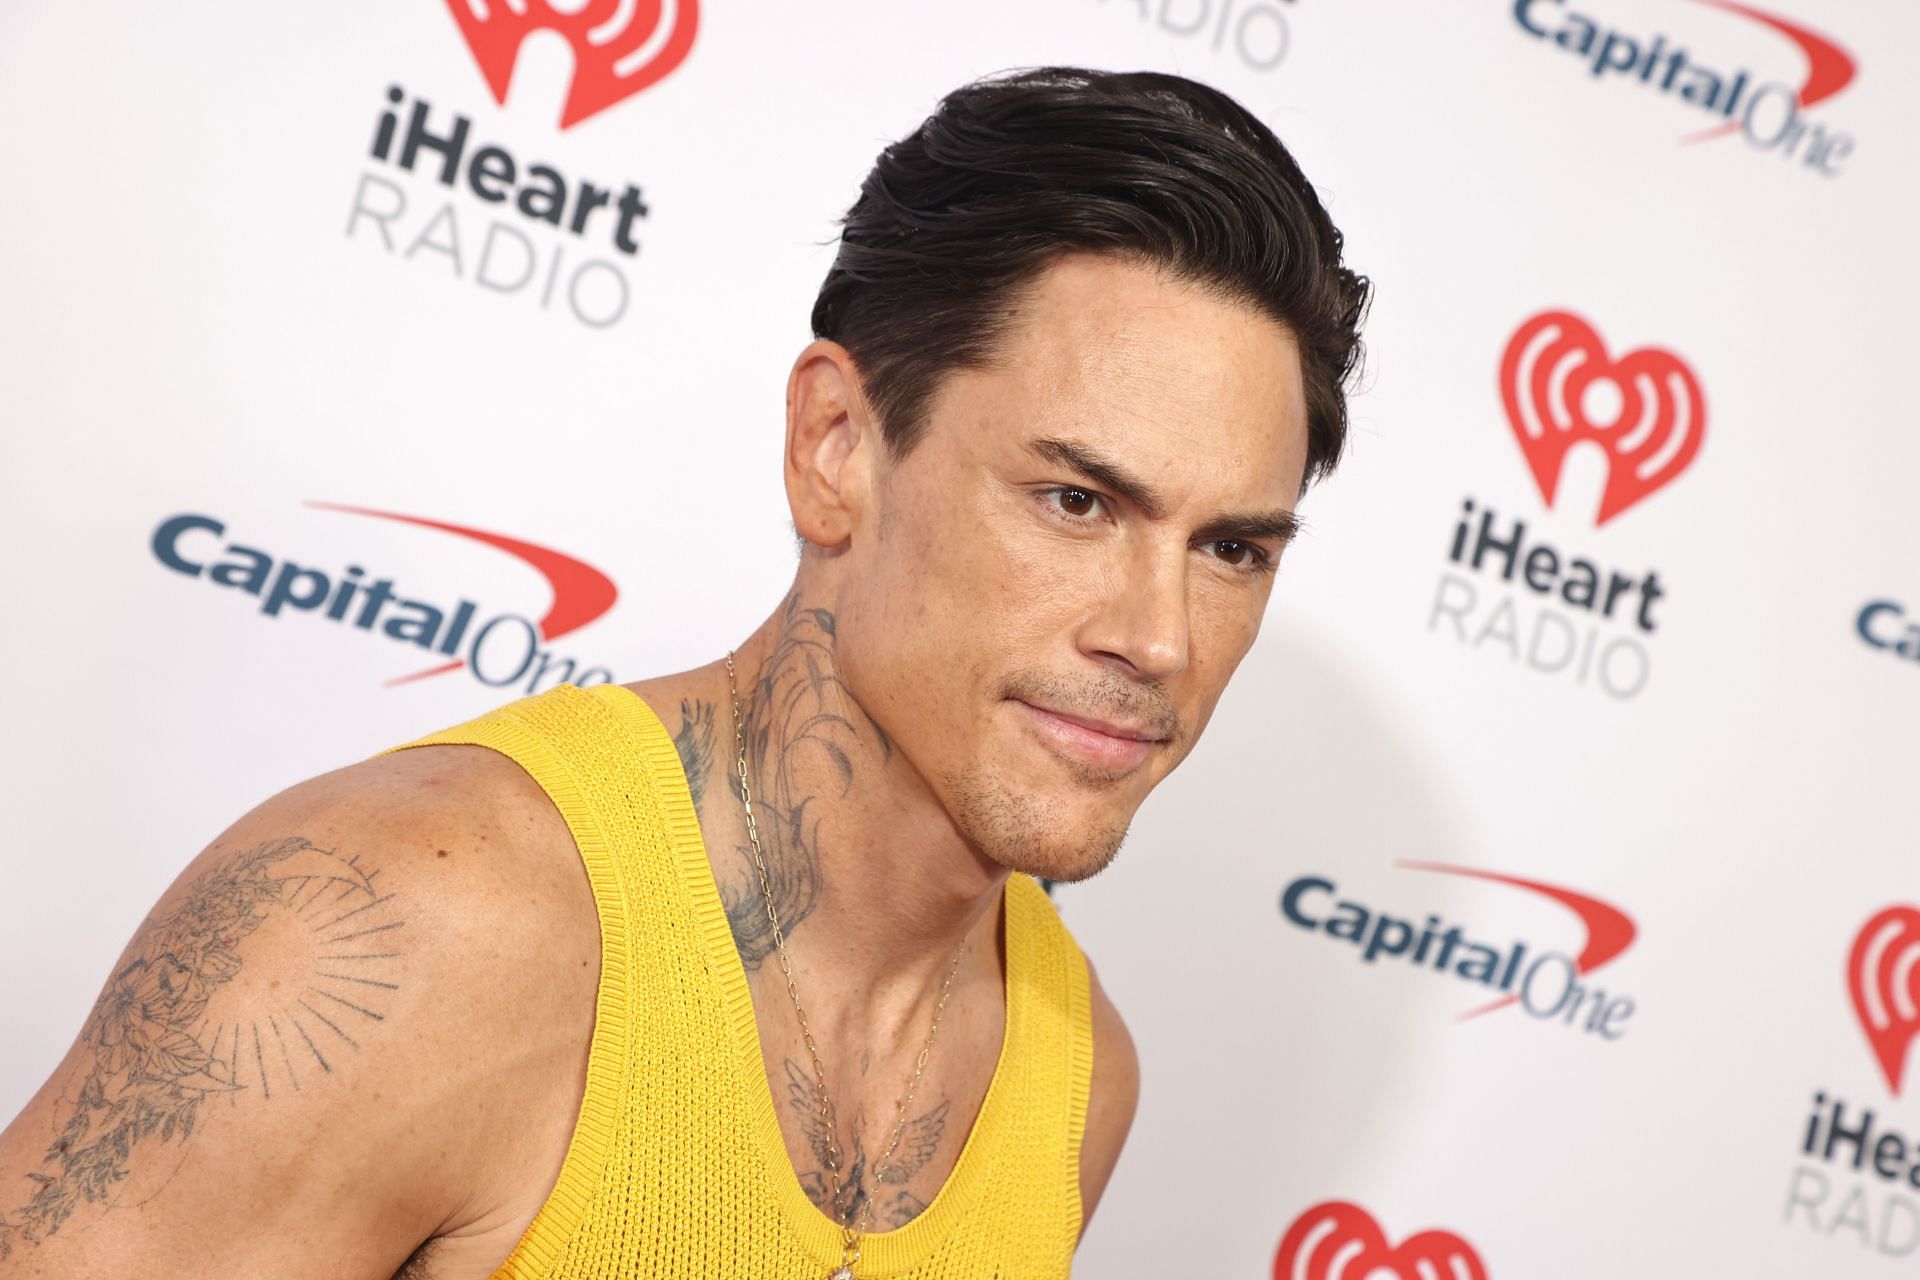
[(1551, 365), (1341, 1241), (619, 46), (1883, 974)]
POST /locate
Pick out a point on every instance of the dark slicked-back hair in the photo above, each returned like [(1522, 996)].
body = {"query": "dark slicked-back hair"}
[(1012, 171)]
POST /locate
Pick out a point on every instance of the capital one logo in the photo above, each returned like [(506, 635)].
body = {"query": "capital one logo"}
[(1770, 114), (1552, 986), (498, 649), (1883, 976), (1644, 410), (619, 46), (1341, 1241)]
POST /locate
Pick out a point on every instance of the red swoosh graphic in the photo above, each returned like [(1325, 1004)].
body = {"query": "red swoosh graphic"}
[(1829, 67), (581, 592), (1609, 929)]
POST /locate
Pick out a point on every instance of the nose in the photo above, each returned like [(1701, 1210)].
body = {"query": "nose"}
[(1141, 624)]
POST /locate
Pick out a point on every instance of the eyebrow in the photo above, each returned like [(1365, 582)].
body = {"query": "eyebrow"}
[(1102, 471), (1282, 526), (1089, 462)]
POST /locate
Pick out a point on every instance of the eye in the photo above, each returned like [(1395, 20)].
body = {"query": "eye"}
[(1073, 502), (1243, 555)]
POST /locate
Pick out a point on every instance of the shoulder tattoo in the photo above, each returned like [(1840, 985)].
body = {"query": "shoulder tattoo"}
[(272, 969)]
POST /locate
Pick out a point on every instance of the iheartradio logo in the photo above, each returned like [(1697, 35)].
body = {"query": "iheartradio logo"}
[(1341, 1241), (1883, 974), (619, 46), (1645, 410)]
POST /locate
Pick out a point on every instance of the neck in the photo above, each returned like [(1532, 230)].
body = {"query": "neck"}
[(872, 885)]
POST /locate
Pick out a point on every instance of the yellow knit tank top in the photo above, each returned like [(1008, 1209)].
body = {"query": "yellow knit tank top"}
[(676, 1168)]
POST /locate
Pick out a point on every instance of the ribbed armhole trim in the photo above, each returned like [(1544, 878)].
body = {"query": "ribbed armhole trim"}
[(1079, 1078), (540, 1247)]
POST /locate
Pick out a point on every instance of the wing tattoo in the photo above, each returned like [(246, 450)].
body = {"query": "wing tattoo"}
[(917, 1145), (804, 1096)]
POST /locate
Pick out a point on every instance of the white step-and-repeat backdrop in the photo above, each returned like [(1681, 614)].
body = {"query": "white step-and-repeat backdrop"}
[(1544, 899)]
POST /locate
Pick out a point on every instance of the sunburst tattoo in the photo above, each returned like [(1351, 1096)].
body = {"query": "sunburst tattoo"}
[(268, 972)]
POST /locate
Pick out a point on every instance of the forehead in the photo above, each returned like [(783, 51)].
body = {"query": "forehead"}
[(1167, 375)]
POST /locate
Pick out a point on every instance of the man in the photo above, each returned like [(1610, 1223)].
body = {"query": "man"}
[(743, 971)]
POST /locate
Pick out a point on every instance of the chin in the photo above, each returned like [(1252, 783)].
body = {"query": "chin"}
[(1025, 832), (1074, 865)]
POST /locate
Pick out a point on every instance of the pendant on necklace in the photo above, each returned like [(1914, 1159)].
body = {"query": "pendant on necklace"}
[(844, 1273)]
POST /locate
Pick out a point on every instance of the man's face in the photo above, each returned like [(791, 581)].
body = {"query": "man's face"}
[(1067, 567)]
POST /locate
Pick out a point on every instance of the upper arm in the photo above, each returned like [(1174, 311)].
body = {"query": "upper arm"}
[(1112, 1096), (272, 1079)]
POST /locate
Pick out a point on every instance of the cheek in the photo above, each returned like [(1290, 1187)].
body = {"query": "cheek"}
[(1225, 623), (922, 612), (978, 578), (957, 593), (937, 566)]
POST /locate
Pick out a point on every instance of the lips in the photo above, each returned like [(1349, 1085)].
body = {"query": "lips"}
[(1097, 742)]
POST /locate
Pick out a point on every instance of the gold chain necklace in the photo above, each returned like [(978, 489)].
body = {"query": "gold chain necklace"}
[(850, 1234)]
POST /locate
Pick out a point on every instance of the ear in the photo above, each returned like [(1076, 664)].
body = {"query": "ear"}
[(830, 443)]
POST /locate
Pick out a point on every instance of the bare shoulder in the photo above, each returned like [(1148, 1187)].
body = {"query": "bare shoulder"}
[(507, 855), (325, 1036), (1113, 1094)]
